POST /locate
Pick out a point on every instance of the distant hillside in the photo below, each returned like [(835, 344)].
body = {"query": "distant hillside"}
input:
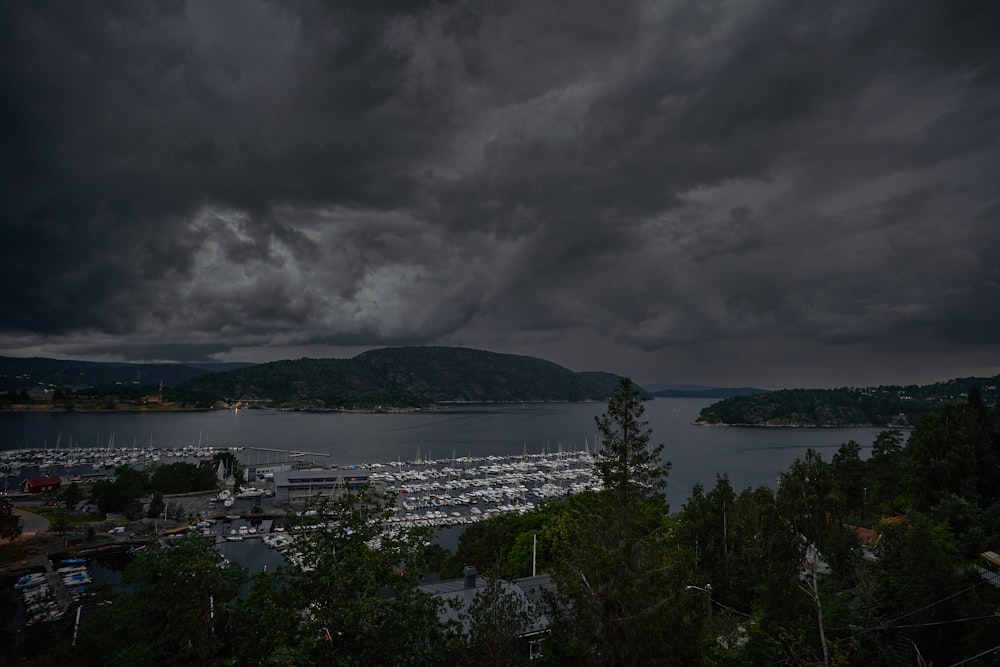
[(18, 373), (708, 392), (848, 406), (403, 377)]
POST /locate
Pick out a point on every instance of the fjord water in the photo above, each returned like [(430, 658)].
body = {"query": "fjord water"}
[(750, 456)]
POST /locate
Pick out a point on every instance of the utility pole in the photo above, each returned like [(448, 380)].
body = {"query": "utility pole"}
[(708, 602), (707, 590)]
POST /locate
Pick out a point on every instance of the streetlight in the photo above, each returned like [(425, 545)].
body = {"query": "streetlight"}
[(707, 590)]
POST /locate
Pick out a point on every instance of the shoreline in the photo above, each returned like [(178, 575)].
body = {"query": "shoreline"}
[(900, 427)]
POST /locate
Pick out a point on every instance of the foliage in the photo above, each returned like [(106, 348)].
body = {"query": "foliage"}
[(620, 578), (174, 613), (742, 546), (621, 597), (812, 573), (403, 377), (182, 477), (119, 495), (71, 494), (353, 603), (502, 544), (845, 406), (630, 468), (492, 625), (156, 506)]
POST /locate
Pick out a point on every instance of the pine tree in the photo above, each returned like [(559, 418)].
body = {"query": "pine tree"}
[(627, 464)]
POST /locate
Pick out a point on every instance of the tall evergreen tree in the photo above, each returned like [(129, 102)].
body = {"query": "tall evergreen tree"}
[(627, 464), (621, 581)]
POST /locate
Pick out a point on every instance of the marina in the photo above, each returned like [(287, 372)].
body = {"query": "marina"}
[(751, 457)]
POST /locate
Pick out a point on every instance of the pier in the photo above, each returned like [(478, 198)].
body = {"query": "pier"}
[(289, 452)]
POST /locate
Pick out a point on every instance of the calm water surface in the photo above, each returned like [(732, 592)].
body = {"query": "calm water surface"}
[(751, 457)]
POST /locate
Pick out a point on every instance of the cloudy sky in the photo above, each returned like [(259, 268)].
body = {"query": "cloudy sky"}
[(772, 193)]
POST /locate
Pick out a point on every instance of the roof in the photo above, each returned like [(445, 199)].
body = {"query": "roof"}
[(528, 589), (44, 480), (47, 480), (304, 477)]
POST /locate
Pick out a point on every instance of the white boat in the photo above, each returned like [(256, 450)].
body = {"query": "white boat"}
[(30, 580)]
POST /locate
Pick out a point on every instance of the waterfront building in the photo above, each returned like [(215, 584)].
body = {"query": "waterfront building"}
[(294, 487)]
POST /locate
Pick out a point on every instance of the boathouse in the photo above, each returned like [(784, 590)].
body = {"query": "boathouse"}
[(41, 484)]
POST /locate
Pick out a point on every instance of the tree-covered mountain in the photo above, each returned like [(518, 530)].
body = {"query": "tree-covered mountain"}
[(891, 405), (707, 392), (25, 373), (403, 377)]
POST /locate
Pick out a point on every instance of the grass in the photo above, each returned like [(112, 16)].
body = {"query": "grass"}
[(10, 553), (72, 518)]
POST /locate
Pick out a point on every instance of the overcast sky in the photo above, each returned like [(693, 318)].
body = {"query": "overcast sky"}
[(767, 193)]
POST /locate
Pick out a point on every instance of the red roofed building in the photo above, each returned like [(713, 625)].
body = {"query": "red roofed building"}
[(41, 484)]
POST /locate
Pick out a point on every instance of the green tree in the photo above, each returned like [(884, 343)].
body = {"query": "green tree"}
[(808, 500), (621, 596), (71, 495), (741, 546), (119, 495), (156, 506), (620, 577), (354, 591), (176, 511), (182, 477), (61, 524), (489, 631), (849, 473), (885, 466), (941, 456), (627, 464), (174, 613)]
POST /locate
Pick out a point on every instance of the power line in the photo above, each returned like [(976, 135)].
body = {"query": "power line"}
[(956, 620), (978, 655), (886, 624)]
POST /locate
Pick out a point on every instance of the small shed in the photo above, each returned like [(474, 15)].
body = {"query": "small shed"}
[(74, 539), (41, 484)]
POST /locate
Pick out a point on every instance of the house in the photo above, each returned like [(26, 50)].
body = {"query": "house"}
[(459, 594), (41, 484)]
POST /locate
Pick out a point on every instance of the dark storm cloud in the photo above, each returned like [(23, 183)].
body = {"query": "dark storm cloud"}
[(682, 190)]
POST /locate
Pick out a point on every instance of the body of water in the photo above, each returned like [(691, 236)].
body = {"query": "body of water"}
[(750, 456)]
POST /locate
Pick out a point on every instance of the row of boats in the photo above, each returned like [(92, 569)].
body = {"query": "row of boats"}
[(38, 589), (13, 461), (485, 486)]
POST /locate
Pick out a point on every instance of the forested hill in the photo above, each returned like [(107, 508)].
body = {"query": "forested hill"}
[(708, 392), (403, 377), (25, 373), (847, 406)]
